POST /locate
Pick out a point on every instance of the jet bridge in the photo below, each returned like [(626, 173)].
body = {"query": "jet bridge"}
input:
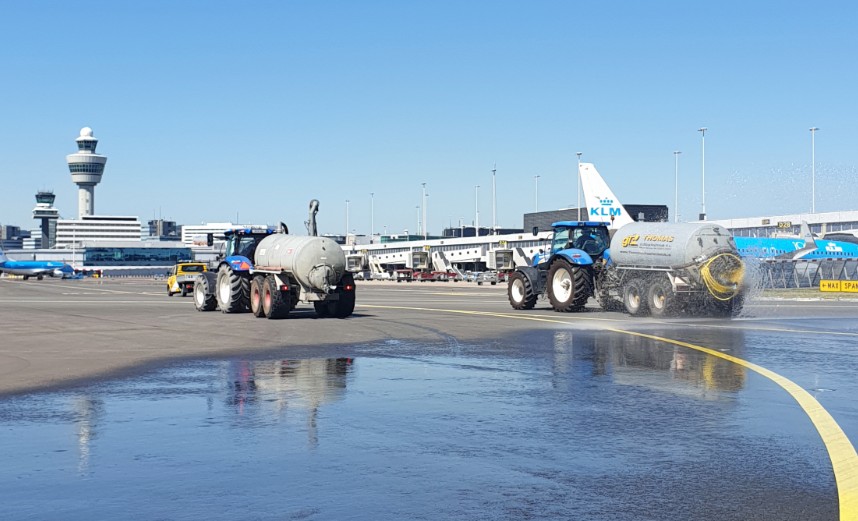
[(441, 263)]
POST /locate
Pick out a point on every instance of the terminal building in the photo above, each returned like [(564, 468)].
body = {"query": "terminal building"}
[(821, 224), (91, 228)]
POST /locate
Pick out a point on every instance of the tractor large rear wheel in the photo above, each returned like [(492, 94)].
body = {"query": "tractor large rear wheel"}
[(568, 287), (204, 295), (520, 292), (233, 291)]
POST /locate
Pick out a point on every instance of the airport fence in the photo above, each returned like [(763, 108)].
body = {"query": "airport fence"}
[(786, 274)]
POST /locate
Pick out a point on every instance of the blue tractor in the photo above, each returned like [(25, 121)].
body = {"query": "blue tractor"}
[(568, 273), (228, 285)]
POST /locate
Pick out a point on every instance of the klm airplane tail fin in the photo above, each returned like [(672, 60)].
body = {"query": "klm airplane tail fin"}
[(809, 242), (602, 205), (807, 235)]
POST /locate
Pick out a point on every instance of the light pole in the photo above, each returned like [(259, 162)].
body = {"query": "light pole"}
[(676, 186), (347, 221), (536, 194), (813, 169), (423, 202), (419, 231), (371, 217), (702, 131), (578, 183), (494, 201), (462, 226), (477, 211)]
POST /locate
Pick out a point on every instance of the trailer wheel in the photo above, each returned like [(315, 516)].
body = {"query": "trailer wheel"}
[(204, 297), (275, 302), (256, 290), (633, 298), (322, 310), (520, 291), (568, 287), (661, 299), (345, 305), (233, 291)]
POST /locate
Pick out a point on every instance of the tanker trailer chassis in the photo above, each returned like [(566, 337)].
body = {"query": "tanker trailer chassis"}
[(270, 288)]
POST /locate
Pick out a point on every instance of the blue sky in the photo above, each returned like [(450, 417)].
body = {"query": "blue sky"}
[(211, 110)]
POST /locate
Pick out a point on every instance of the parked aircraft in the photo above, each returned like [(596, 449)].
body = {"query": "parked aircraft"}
[(36, 269), (603, 206)]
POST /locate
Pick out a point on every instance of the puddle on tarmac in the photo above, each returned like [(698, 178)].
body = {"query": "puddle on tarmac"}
[(553, 426)]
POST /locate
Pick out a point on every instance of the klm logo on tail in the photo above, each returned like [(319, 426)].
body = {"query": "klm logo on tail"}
[(605, 209), (602, 204)]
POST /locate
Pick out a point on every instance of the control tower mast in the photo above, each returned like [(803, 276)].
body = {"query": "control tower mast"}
[(86, 168), (47, 215)]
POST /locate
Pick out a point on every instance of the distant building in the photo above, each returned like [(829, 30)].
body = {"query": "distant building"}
[(91, 228), (638, 212), (195, 234), (470, 231), (788, 224), (12, 237), (164, 230)]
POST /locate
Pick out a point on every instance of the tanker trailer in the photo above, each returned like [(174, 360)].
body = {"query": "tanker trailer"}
[(665, 268), (270, 273), (291, 269)]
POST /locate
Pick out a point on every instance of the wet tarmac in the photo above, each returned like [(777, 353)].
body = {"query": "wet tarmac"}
[(538, 421), (594, 427)]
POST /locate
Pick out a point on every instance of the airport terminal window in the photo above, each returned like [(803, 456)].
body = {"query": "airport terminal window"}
[(118, 256), (85, 167)]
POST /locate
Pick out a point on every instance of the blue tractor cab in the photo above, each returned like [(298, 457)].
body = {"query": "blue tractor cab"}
[(241, 245)]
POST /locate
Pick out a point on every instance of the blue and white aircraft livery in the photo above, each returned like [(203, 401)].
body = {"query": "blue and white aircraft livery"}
[(603, 206), (36, 269), (805, 248)]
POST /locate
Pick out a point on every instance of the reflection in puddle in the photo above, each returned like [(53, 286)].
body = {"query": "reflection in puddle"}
[(273, 387)]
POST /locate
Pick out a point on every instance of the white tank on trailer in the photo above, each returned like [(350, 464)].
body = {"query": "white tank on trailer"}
[(316, 262), (669, 245)]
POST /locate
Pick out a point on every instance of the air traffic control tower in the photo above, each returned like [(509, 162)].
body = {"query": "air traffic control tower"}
[(47, 215), (86, 168)]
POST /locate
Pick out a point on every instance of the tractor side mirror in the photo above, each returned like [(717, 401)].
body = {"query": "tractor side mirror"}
[(535, 230), (209, 239)]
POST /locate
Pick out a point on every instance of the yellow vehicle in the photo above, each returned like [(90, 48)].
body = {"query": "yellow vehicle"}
[(182, 275)]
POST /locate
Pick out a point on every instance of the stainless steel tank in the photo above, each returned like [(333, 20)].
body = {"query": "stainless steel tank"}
[(316, 262), (669, 245)]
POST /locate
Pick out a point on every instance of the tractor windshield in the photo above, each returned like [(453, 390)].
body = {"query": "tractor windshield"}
[(593, 240)]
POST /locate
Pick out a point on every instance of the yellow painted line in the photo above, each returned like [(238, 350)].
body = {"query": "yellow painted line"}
[(844, 460)]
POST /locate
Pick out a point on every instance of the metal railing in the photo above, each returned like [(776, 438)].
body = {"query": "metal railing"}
[(785, 274)]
